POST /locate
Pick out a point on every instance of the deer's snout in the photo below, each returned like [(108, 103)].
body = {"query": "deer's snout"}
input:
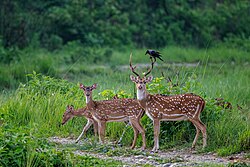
[(140, 87)]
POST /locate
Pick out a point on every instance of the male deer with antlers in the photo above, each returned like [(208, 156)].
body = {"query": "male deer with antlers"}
[(169, 108), (71, 112), (115, 110)]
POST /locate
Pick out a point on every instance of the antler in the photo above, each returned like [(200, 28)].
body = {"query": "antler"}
[(131, 67), (152, 66)]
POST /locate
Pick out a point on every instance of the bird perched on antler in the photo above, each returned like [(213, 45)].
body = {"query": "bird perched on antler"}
[(154, 54)]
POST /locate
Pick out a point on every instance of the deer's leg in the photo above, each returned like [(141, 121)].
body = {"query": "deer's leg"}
[(201, 127), (204, 133), (197, 133), (101, 130), (89, 123), (139, 127), (136, 131), (95, 127), (156, 134)]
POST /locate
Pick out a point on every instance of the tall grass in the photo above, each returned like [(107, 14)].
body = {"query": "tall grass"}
[(40, 103), (230, 82), (174, 54), (74, 61)]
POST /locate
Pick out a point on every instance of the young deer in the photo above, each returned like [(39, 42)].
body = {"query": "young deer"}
[(169, 108), (71, 112), (115, 110)]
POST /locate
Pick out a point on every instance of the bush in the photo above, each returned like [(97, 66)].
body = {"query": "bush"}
[(19, 147), (9, 55)]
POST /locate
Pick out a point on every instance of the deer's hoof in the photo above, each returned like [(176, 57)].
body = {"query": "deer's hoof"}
[(192, 148), (142, 148), (154, 151)]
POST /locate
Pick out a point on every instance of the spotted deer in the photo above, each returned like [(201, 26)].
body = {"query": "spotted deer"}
[(115, 110), (169, 108), (82, 112)]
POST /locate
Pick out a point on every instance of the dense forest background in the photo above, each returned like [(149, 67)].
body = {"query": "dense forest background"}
[(51, 24)]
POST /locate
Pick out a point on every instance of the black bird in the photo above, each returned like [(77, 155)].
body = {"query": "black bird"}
[(154, 54)]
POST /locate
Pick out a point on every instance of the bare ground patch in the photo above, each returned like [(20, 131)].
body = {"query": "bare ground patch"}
[(172, 157)]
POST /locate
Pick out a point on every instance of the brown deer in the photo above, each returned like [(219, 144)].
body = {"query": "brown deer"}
[(169, 108), (115, 110), (71, 112)]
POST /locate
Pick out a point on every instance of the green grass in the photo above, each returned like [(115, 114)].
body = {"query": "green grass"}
[(39, 104), (74, 61), (43, 103)]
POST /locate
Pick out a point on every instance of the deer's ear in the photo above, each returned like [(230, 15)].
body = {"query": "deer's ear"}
[(149, 79), (68, 108), (94, 86), (71, 107), (82, 86), (132, 78)]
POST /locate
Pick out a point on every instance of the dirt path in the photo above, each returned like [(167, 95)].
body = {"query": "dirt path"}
[(170, 158)]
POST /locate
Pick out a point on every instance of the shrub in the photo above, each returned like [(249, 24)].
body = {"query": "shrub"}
[(19, 146)]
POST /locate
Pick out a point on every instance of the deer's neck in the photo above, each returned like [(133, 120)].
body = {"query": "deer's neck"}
[(78, 113), (88, 99), (141, 94), (142, 97), (90, 103)]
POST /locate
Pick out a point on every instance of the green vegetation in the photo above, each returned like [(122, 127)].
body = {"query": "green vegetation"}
[(51, 24), (75, 61), (20, 146), (40, 103), (48, 47)]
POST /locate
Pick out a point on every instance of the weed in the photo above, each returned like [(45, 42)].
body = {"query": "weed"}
[(170, 160)]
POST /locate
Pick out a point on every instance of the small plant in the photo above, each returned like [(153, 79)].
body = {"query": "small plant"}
[(39, 83), (244, 140), (110, 94), (238, 164)]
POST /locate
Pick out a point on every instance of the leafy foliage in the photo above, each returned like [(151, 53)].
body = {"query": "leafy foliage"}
[(20, 146), (110, 94), (116, 23), (42, 84)]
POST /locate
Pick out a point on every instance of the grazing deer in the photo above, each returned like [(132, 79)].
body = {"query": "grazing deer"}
[(71, 112), (115, 110), (169, 108)]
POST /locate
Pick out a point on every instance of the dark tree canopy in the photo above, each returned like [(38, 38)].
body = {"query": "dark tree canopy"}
[(141, 23)]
